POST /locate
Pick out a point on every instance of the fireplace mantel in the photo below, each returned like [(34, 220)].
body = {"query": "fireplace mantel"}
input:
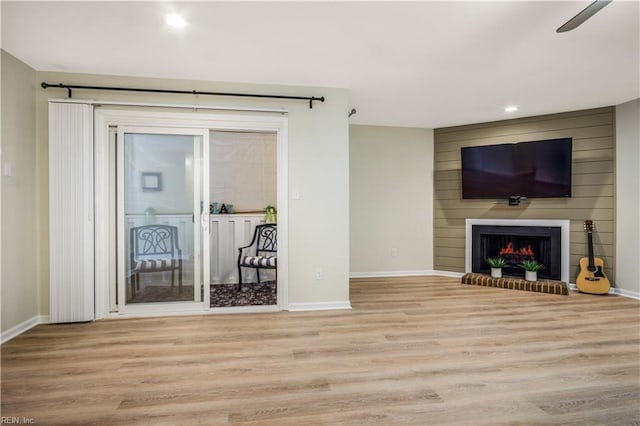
[(562, 224)]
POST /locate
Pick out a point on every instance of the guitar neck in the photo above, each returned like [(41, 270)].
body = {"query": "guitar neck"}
[(592, 262)]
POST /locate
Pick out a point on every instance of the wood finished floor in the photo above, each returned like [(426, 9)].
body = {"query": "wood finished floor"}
[(412, 351)]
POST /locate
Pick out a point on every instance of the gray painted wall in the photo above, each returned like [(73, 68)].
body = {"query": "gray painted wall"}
[(391, 179), (628, 196), (20, 242)]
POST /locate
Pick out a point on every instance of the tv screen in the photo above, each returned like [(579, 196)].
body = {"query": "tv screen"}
[(538, 169)]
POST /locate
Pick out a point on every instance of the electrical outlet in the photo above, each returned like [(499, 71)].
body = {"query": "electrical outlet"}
[(319, 274), (394, 252)]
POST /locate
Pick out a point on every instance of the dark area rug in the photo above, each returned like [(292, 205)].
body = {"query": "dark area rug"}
[(163, 293), (252, 294)]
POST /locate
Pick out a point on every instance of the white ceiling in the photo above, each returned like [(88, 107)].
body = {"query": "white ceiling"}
[(422, 64)]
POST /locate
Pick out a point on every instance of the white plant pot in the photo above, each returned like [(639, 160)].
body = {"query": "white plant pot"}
[(531, 275), (496, 272)]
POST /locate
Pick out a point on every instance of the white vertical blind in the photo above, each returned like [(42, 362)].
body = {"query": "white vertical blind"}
[(71, 223)]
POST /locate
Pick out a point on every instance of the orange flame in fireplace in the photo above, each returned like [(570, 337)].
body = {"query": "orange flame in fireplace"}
[(508, 250)]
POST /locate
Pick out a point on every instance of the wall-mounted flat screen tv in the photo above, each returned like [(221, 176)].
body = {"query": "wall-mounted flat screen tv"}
[(537, 169)]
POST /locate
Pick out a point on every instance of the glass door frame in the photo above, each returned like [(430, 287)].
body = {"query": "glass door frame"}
[(109, 116), (200, 223)]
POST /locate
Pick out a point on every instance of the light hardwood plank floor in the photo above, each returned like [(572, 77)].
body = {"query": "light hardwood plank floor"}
[(412, 351)]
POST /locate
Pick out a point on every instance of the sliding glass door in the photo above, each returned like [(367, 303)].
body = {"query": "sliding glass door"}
[(243, 179), (164, 243), (162, 224)]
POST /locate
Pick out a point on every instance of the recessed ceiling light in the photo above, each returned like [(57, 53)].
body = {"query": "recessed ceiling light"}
[(511, 108), (175, 21)]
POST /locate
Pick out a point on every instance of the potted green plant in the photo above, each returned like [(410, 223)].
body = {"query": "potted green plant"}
[(496, 264), (531, 268), (270, 214)]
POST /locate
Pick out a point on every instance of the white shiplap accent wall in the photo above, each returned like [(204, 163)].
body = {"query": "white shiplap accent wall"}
[(228, 233), (71, 223)]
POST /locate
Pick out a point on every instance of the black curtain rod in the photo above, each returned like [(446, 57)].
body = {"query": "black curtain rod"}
[(69, 88)]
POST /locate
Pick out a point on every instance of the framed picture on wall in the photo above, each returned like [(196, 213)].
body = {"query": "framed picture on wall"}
[(151, 181)]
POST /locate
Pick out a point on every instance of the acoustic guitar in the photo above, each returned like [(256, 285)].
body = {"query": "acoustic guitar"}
[(592, 278)]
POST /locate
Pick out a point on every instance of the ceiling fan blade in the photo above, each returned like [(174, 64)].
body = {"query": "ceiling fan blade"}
[(585, 14)]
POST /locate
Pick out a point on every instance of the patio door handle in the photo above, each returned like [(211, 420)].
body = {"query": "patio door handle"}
[(204, 220)]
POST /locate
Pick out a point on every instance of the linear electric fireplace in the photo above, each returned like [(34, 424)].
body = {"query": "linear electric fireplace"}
[(517, 240)]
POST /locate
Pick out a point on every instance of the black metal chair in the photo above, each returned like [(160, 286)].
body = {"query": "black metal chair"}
[(261, 253), (154, 248)]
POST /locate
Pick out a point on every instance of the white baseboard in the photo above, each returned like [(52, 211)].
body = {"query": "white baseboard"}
[(22, 327), (448, 274), (388, 274), (319, 306), (625, 293)]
